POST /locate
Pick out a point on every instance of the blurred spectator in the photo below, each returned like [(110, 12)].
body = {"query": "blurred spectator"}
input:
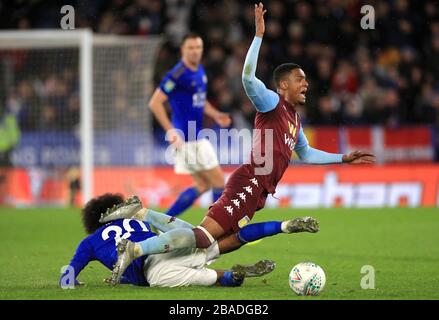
[(327, 113), (9, 138), (26, 104), (353, 111), (370, 94), (345, 79)]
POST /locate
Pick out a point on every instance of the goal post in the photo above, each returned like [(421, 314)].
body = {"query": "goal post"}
[(86, 118), (80, 87)]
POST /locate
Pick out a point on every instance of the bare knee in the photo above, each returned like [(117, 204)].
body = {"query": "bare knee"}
[(202, 240), (201, 186), (218, 184), (213, 178), (217, 179)]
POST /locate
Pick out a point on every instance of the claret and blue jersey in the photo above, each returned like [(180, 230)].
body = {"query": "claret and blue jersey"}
[(266, 103), (186, 90), (101, 246)]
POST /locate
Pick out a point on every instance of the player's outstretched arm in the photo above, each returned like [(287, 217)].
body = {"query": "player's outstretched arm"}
[(82, 257), (262, 98), (310, 155)]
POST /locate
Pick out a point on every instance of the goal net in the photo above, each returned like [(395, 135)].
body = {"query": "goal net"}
[(73, 111)]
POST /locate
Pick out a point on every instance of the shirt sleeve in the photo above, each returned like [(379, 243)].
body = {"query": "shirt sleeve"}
[(314, 156), (262, 98), (168, 84), (83, 255)]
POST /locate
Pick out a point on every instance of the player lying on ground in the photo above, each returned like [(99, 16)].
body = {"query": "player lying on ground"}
[(177, 268), (249, 185)]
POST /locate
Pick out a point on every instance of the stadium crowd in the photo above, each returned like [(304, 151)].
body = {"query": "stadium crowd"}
[(387, 76)]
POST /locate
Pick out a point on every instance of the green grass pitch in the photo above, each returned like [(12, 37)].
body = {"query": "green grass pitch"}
[(401, 244)]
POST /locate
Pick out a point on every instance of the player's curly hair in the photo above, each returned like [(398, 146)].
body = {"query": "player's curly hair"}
[(91, 213)]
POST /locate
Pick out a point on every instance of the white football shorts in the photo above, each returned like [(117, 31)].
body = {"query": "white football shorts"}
[(195, 156), (182, 267)]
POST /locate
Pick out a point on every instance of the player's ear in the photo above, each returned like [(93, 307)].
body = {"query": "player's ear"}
[(283, 84)]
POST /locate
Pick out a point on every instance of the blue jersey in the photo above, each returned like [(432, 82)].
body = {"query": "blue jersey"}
[(186, 91), (101, 246)]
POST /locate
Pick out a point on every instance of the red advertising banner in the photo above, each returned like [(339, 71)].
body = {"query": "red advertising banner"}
[(301, 186), (399, 145)]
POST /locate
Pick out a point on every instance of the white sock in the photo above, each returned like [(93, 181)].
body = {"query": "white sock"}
[(283, 226)]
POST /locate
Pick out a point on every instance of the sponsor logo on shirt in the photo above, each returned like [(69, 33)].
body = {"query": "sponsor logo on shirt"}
[(199, 99), (289, 141), (292, 128), (169, 86)]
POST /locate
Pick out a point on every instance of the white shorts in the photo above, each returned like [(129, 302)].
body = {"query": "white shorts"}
[(183, 267), (194, 156)]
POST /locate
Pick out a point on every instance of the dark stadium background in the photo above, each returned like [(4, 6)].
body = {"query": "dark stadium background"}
[(388, 76)]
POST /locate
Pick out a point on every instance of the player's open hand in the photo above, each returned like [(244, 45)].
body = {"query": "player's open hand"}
[(259, 19), (359, 157), (223, 120)]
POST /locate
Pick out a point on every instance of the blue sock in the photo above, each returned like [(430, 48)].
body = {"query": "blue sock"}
[(256, 231), (184, 201), (217, 192), (227, 280)]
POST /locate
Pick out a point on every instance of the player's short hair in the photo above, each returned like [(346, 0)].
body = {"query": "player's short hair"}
[(283, 70), (91, 213), (190, 35)]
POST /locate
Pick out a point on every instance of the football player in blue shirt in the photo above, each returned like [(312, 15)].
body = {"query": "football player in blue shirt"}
[(178, 268), (185, 88)]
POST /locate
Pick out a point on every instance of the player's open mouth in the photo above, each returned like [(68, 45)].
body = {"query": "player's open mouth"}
[(303, 93)]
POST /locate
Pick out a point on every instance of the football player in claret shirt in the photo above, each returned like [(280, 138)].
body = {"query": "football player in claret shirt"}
[(185, 88), (279, 133)]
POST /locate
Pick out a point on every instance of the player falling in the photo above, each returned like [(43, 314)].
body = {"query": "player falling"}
[(249, 185)]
